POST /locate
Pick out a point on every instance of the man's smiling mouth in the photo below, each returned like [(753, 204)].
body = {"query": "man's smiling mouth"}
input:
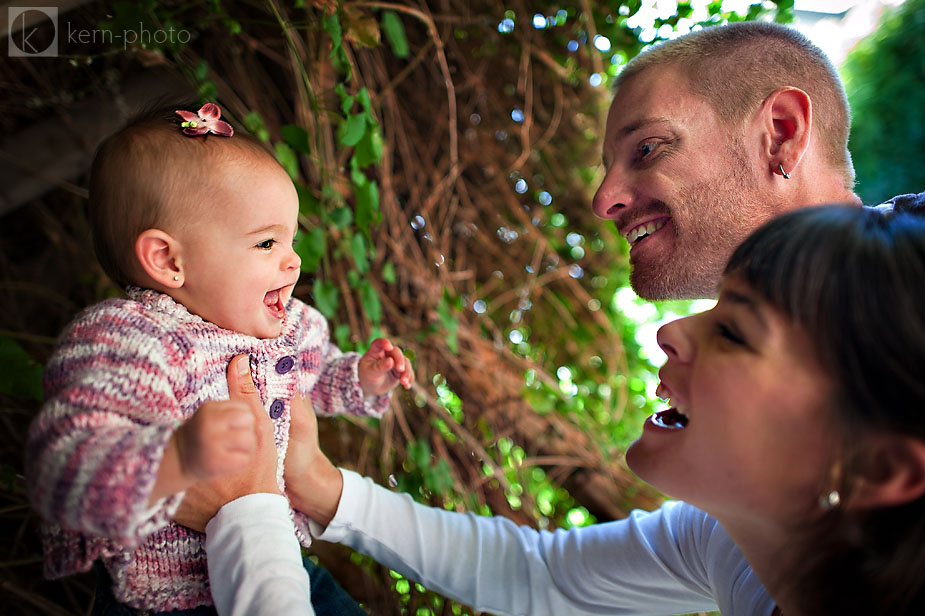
[(637, 233)]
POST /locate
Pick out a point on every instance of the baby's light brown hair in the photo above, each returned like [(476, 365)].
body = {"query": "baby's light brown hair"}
[(147, 175)]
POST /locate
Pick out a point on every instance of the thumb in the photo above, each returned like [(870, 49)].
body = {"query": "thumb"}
[(240, 384)]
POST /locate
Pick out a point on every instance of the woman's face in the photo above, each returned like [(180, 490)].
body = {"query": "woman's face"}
[(751, 431)]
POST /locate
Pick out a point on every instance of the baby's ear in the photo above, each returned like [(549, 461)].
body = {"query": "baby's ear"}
[(158, 253)]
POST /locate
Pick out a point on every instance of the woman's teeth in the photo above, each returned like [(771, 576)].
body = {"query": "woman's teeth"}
[(672, 418), (636, 234)]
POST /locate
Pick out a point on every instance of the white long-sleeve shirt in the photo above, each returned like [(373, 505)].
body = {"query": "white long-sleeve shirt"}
[(255, 561), (676, 559)]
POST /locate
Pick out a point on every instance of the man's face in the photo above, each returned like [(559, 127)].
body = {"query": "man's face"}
[(680, 185)]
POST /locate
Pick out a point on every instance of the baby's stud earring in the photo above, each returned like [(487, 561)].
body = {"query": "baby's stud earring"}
[(176, 278), (830, 500)]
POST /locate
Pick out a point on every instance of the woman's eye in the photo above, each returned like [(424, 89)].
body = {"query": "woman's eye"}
[(266, 244), (729, 334)]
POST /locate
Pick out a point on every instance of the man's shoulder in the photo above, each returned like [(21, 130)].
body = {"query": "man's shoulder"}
[(906, 203)]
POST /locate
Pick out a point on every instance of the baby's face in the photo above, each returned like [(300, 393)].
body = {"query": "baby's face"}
[(238, 264)]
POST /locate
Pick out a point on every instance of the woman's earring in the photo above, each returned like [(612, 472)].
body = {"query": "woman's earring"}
[(830, 500), (176, 278)]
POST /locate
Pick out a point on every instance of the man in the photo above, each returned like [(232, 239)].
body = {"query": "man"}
[(708, 136)]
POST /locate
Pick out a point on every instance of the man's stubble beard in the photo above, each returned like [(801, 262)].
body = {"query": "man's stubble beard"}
[(711, 230)]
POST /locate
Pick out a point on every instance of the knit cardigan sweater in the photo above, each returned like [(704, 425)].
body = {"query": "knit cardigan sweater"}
[(124, 375)]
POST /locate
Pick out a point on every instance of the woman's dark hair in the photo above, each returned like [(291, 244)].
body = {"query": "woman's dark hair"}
[(854, 280)]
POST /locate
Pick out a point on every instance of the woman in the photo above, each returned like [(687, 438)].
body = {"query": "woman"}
[(795, 441)]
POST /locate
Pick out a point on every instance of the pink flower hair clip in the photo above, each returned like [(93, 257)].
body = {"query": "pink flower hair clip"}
[(206, 120)]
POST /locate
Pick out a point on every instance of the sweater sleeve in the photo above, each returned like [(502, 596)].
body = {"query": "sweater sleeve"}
[(255, 565), (337, 390), (95, 448), (649, 563)]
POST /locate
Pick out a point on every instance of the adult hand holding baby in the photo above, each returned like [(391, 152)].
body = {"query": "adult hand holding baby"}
[(242, 440)]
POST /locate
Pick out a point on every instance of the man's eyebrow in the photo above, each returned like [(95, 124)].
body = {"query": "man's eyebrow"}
[(632, 127), (741, 299)]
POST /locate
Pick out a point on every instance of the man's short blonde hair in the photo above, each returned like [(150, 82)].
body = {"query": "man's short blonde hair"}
[(148, 175), (735, 67)]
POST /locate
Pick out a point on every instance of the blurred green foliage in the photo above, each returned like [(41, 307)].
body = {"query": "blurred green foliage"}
[(884, 76)]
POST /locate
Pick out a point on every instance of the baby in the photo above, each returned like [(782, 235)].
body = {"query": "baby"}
[(198, 224)]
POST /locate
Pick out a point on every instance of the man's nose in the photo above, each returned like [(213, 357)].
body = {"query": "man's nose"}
[(613, 194)]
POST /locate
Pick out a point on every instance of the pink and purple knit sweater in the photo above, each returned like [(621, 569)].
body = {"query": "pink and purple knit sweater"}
[(124, 375)]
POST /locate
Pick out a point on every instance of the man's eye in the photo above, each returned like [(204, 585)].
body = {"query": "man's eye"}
[(646, 148), (266, 244)]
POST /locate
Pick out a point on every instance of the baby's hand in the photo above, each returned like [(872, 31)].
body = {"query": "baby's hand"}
[(219, 439), (383, 367)]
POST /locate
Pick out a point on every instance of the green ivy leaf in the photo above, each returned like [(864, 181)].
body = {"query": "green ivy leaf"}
[(201, 72), (450, 322), (288, 159), (388, 273), (331, 25), (367, 208), (352, 130), (366, 104), (20, 376), (358, 248), (326, 297), (255, 126), (419, 453), (296, 137), (369, 299), (395, 33), (308, 203), (310, 248), (369, 150), (342, 336), (342, 217)]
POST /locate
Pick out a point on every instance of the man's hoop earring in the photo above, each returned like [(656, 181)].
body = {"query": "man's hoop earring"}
[(782, 172)]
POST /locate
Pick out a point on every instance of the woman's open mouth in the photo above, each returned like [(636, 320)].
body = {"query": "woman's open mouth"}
[(671, 419)]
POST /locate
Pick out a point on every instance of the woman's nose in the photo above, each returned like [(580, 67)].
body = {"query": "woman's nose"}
[(675, 339)]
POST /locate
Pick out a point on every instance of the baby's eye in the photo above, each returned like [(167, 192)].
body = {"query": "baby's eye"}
[(266, 244)]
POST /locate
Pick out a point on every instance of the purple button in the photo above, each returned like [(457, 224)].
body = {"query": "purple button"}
[(285, 365), (276, 409)]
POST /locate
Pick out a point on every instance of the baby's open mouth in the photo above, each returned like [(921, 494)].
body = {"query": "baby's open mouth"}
[(672, 418), (273, 300)]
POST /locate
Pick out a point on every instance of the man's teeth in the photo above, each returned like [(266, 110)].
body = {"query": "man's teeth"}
[(634, 235)]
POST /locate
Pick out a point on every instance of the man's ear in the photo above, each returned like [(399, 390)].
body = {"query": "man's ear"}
[(158, 254), (895, 474), (786, 121)]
